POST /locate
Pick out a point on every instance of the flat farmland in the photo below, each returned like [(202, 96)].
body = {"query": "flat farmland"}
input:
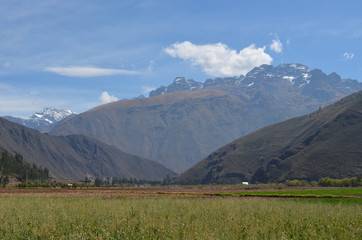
[(195, 212)]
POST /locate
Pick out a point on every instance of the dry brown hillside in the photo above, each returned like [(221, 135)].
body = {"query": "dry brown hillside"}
[(325, 143)]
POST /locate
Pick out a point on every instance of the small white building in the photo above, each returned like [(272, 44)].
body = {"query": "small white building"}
[(245, 183)]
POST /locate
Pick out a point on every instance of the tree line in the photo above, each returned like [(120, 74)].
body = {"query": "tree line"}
[(115, 182), (15, 166), (327, 182)]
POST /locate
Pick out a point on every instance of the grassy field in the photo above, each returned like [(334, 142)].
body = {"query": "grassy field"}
[(166, 214), (311, 193)]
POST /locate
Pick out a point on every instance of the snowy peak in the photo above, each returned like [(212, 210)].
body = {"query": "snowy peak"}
[(297, 74), (179, 84), (45, 120), (52, 115), (281, 80)]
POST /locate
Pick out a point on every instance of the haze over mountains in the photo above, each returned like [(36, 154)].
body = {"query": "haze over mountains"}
[(75, 156), (182, 123), (325, 143)]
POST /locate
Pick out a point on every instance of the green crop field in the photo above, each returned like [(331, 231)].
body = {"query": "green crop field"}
[(98, 215), (318, 193)]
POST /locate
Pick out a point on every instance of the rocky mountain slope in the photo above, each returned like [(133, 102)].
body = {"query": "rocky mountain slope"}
[(43, 121), (180, 84), (325, 143), (309, 82), (74, 157), (182, 123)]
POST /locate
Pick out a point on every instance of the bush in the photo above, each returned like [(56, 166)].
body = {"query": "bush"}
[(326, 182), (345, 182), (297, 183)]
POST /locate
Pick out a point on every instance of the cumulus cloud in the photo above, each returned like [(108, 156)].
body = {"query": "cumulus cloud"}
[(88, 71), (277, 46), (106, 98), (218, 59), (348, 56)]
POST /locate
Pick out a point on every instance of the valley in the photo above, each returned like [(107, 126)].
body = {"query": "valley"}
[(182, 123), (195, 120), (223, 130)]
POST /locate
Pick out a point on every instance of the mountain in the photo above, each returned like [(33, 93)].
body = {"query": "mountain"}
[(306, 81), (45, 120), (75, 156), (179, 84), (179, 128), (325, 143)]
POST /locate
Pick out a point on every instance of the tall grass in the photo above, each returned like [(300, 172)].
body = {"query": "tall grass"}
[(34, 217)]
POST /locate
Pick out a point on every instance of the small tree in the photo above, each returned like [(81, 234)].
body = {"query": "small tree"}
[(98, 182)]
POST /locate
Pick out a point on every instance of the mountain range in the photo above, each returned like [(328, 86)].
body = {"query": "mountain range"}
[(325, 143), (182, 123), (322, 86), (76, 156), (45, 120)]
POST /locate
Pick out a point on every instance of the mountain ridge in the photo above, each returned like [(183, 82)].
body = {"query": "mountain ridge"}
[(76, 156), (325, 143), (182, 127), (297, 74)]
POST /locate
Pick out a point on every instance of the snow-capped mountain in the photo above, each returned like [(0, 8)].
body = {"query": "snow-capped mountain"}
[(178, 129), (52, 115), (297, 74), (294, 77), (45, 120)]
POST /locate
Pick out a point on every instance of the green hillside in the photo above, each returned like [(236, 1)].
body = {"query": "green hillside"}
[(14, 166)]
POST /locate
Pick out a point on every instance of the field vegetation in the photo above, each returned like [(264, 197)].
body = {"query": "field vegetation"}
[(310, 193), (327, 182), (174, 213)]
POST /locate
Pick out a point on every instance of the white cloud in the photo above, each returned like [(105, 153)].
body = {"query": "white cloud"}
[(106, 98), (147, 89), (277, 46), (88, 71), (348, 56), (218, 59)]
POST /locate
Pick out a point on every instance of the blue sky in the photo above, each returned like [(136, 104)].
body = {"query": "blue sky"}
[(81, 53)]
